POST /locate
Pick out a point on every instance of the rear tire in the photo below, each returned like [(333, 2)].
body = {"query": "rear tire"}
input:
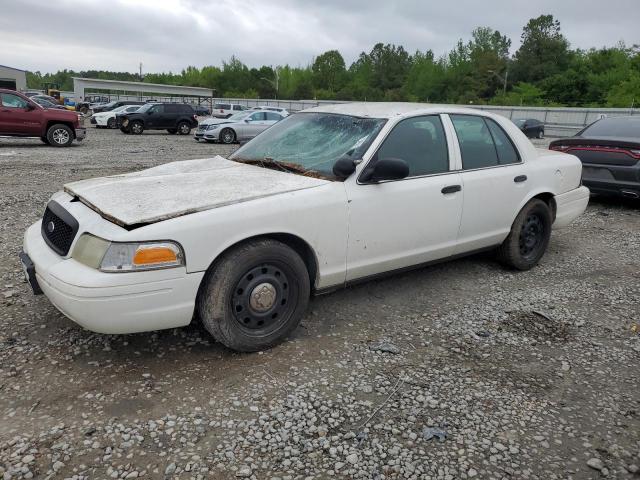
[(529, 236), (184, 128), (254, 296), (59, 135)]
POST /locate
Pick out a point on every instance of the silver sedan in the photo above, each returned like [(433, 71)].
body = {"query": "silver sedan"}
[(239, 127)]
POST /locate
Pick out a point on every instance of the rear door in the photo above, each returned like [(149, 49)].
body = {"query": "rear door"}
[(494, 182), (16, 118)]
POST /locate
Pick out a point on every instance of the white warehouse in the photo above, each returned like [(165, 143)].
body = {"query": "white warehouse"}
[(13, 78)]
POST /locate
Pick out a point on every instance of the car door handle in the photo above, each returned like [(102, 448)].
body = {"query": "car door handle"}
[(520, 178), (451, 189)]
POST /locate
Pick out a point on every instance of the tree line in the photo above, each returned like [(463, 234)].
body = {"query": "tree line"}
[(544, 71)]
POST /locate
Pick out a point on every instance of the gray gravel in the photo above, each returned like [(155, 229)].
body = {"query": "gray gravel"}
[(522, 375)]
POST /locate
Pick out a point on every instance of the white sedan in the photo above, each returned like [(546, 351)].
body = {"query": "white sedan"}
[(108, 119), (322, 199)]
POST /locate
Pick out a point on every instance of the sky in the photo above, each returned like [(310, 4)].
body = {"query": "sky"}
[(169, 35)]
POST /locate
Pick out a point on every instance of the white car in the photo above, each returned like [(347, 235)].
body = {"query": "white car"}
[(282, 111), (324, 198), (108, 119), (225, 110), (237, 128)]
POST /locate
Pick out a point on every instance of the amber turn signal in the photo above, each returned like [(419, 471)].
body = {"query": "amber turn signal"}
[(153, 255)]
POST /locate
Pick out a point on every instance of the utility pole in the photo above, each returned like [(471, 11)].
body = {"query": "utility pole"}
[(276, 80), (502, 79), (141, 71)]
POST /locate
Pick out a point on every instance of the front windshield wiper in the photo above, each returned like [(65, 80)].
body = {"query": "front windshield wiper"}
[(269, 162)]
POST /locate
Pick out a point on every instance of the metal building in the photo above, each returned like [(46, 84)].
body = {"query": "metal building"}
[(13, 78), (137, 89)]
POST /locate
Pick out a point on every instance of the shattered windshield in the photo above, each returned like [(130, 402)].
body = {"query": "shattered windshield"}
[(311, 142)]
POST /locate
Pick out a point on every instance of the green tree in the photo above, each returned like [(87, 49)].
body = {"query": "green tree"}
[(544, 51), (329, 71)]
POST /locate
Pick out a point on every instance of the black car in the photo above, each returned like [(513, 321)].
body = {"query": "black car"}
[(531, 127), (107, 107), (610, 153), (45, 103), (201, 110), (172, 117)]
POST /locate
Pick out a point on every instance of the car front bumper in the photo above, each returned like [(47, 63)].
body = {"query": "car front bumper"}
[(570, 205), (111, 302)]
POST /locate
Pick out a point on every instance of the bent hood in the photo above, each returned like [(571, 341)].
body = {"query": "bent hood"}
[(181, 188)]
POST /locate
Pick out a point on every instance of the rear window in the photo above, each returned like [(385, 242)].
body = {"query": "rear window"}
[(178, 108), (222, 106), (613, 127)]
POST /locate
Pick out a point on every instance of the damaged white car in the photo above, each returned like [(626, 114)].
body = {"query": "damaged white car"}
[(324, 198)]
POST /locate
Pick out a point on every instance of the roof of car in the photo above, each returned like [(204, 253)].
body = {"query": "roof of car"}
[(389, 109)]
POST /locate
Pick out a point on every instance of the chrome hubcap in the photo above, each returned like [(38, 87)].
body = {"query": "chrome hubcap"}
[(60, 136), (263, 297)]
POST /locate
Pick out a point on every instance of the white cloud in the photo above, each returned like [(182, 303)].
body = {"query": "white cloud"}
[(172, 34)]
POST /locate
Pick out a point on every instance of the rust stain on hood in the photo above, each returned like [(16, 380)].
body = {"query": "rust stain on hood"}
[(179, 188)]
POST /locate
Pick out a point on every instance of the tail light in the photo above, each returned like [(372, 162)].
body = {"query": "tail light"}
[(635, 153)]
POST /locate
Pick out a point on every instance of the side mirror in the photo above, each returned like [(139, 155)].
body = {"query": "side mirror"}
[(246, 120), (150, 112), (30, 106), (344, 167), (386, 169)]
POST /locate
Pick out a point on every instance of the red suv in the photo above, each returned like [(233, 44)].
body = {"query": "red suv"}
[(21, 117)]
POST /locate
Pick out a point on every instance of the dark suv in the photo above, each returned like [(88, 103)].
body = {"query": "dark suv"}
[(172, 117)]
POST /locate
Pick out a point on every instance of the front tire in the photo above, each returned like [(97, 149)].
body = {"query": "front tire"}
[(136, 127), (255, 295), (227, 136), (541, 134), (59, 135), (529, 236), (111, 123)]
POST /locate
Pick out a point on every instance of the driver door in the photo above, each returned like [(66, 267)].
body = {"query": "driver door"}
[(401, 223), (17, 118)]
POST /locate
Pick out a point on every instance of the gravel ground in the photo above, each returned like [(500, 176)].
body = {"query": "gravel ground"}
[(460, 370)]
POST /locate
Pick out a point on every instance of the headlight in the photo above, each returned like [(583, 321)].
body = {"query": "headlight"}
[(212, 127), (127, 257)]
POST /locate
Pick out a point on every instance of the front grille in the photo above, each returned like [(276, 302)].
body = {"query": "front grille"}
[(59, 228)]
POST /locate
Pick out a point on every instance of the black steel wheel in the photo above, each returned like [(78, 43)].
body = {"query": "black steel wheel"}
[(254, 295), (260, 298), (529, 236), (227, 136)]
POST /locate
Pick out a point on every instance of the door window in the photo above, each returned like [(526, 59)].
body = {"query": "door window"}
[(13, 101), (483, 143), (506, 151), (257, 117), (273, 116), (419, 141), (157, 109)]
